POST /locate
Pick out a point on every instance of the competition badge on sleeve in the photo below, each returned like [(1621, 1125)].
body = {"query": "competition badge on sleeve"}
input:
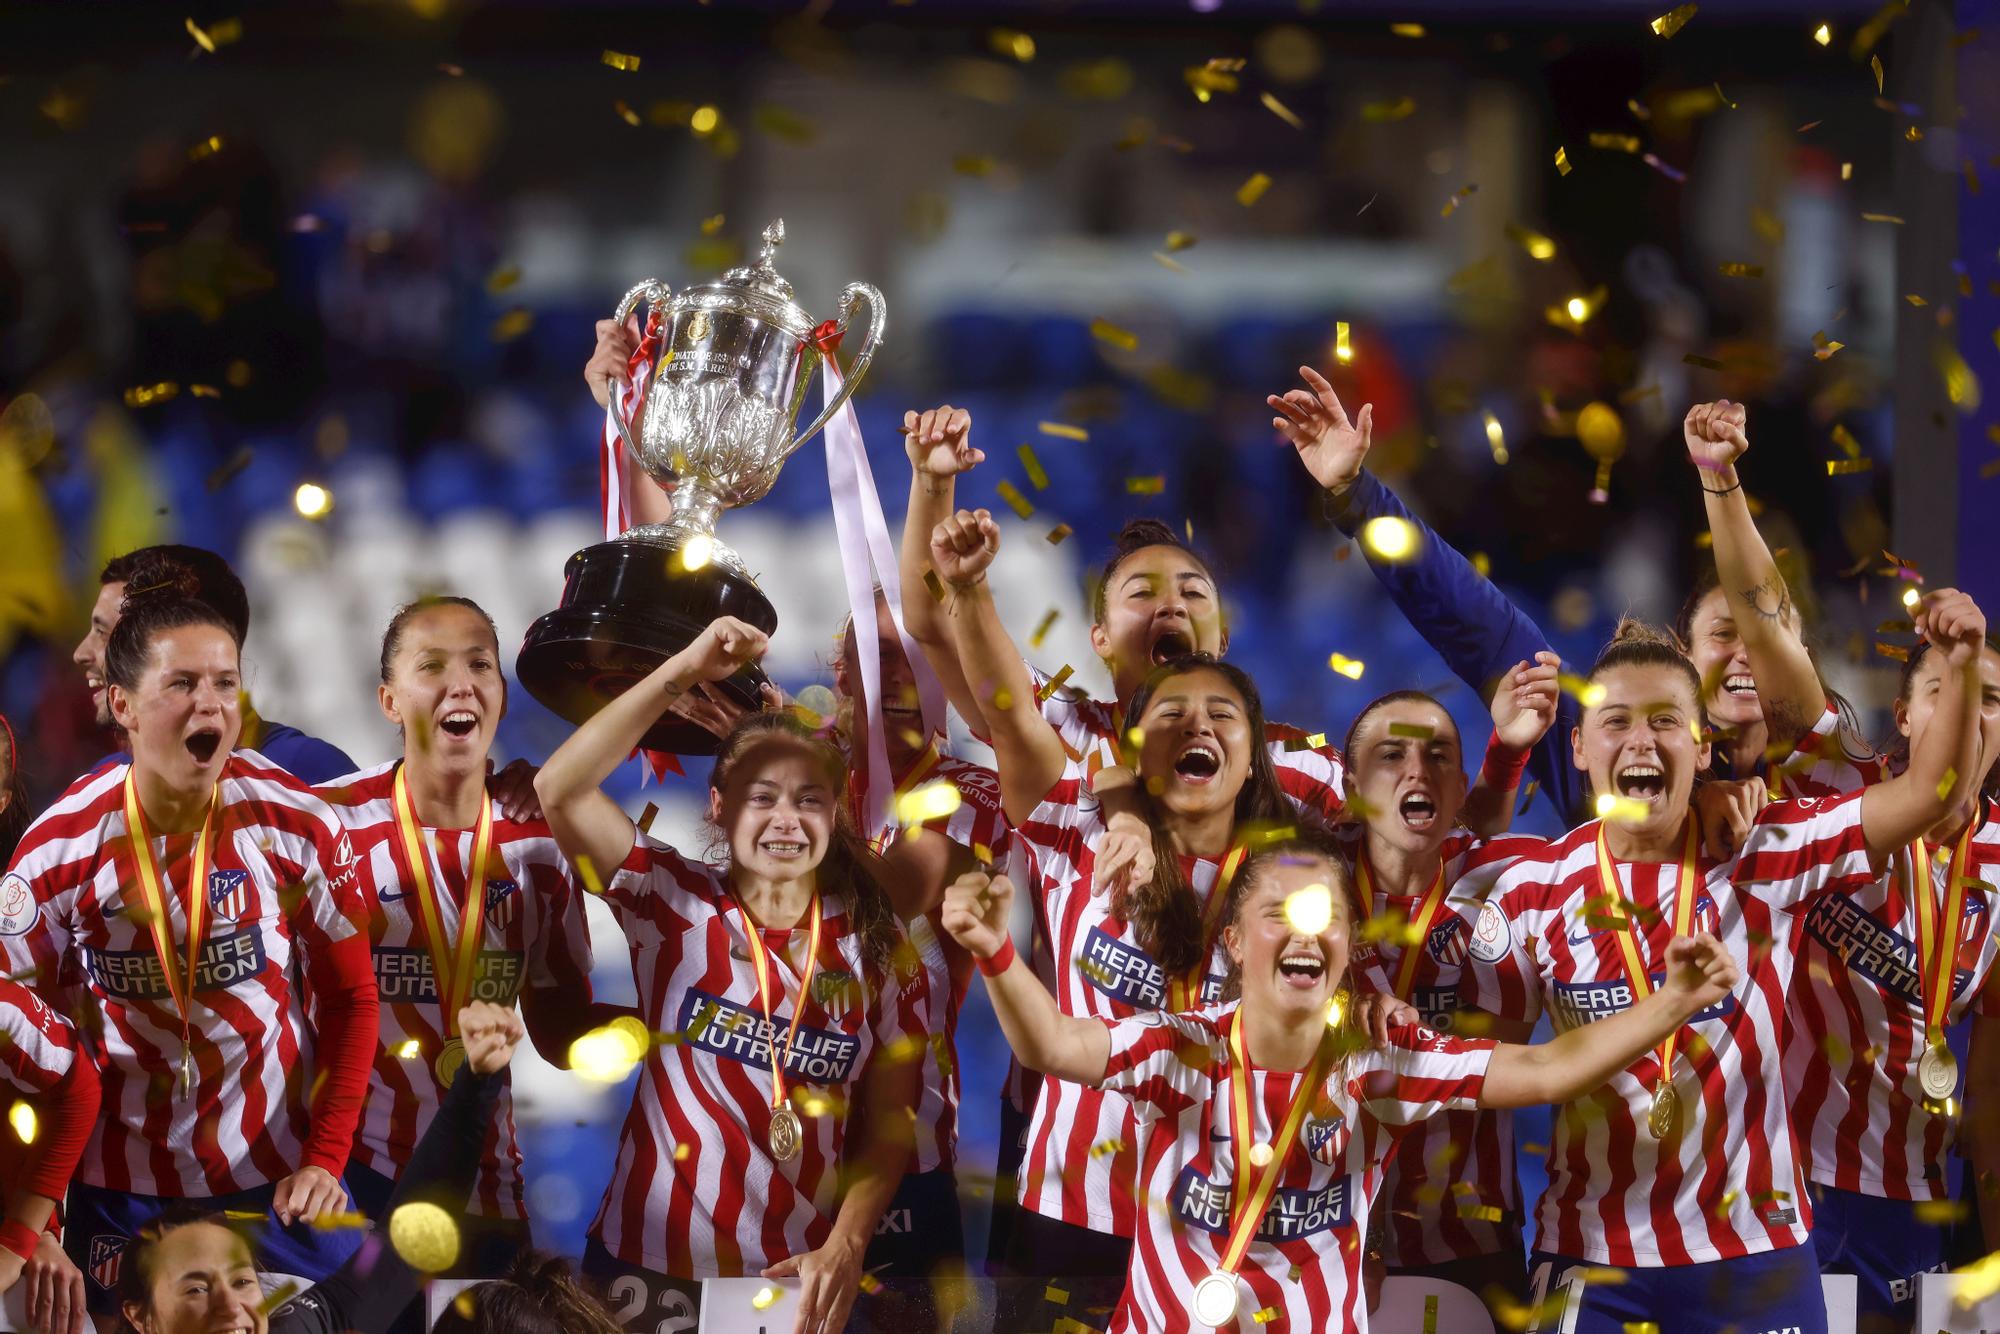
[(180, 988), (712, 423), (1937, 960), (452, 963)]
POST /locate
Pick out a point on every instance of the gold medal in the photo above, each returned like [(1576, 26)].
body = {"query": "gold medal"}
[(1215, 1300), (450, 1060), (786, 1134), (179, 989), (187, 1070), (1664, 1111), (1937, 1072)]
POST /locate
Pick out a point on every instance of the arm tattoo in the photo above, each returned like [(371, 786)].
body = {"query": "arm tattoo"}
[(1771, 600)]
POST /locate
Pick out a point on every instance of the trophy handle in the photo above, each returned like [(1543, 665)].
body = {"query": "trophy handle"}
[(656, 295), (878, 315)]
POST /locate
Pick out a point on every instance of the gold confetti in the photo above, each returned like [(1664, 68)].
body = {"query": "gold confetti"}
[(1944, 784), (1706, 363), (1622, 143), (205, 148), (972, 164), (646, 818), (1011, 43), (1390, 539), (1343, 350), (1562, 162), (1823, 34), (202, 39), (1742, 270), (618, 60), (1414, 731), (1538, 246), (626, 113), (765, 1297), (1407, 29), (1281, 111), (1049, 618), (585, 869), (1253, 189), (1179, 241), (1590, 694), (1015, 500), (1671, 22), (1106, 1148), (934, 584), (1104, 331), (425, 1236), (1894, 218), (782, 123), (1058, 533), (1052, 1293), (710, 226), (1961, 386), (1145, 486), (1496, 439), (1037, 478), (513, 324), (1063, 431), (1378, 113), (1842, 467), (312, 500), (1055, 683), (1298, 743), (1845, 439), (1875, 64), (1351, 668), (932, 801), (1166, 261), (1622, 810), (1451, 204), (1824, 347)]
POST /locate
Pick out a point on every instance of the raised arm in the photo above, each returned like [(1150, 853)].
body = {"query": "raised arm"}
[(1029, 752), (1042, 1036), (609, 364), (1458, 611), (588, 825), (939, 443), (1699, 974), (1524, 707), (1788, 685), (1940, 773)]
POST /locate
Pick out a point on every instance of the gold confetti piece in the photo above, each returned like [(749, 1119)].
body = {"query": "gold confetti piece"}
[(340, 1220), (1052, 1293), (1944, 784), (1037, 478), (1058, 533), (206, 148), (1343, 350), (1298, 743), (513, 324), (1015, 500), (1104, 331), (932, 801), (1562, 162), (1875, 64), (1451, 204), (646, 818), (278, 1296), (589, 874), (1643, 1326), (1407, 29), (1042, 627), (1842, 467), (765, 1297), (1671, 22), (1011, 43), (1538, 246), (1941, 1213), (1496, 439), (1823, 34), (1281, 111), (1351, 668), (1106, 1148), (1915, 300), (1742, 270), (1054, 684), (1063, 431), (1145, 486), (1588, 693), (1253, 189), (1378, 113), (1167, 261), (1824, 347), (204, 391), (1179, 241), (972, 164), (1961, 386), (425, 1236), (1883, 217), (1623, 143), (1622, 810), (1845, 439), (1913, 134), (1217, 76), (1706, 363), (626, 113), (1390, 539), (618, 60), (202, 39)]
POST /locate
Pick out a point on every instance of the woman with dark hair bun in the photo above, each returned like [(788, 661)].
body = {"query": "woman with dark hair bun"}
[(182, 898)]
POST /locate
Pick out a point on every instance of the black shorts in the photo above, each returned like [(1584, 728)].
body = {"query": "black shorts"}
[(1063, 1271), (1006, 1187), (920, 1229)]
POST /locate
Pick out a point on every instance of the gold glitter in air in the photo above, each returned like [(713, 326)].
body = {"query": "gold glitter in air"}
[(1351, 668), (1308, 911), (1843, 467), (1058, 533), (1178, 241), (1562, 162), (1464, 193), (1961, 386), (409, 1050), (513, 324), (312, 500), (626, 113), (1343, 350), (1875, 64), (1622, 810), (765, 1297), (932, 801), (1217, 76), (1823, 34), (1055, 683), (1414, 731), (425, 1236), (21, 1118), (1407, 29), (618, 60), (1038, 477), (1496, 438), (1281, 111), (1015, 500), (1145, 486), (1063, 431), (1538, 246), (1619, 143), (1011, 43), (589, 874), (606, 1055), (1390, 539), (1042, 627), (1671, 22), (1894, 219), (1253, 189), (1104, 331), (340, 1221), (1590, 694), (145, 395), (1741, 270), (1378, 113), (1824, 347)]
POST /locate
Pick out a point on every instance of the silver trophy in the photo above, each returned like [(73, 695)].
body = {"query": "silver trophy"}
[(714, 426)]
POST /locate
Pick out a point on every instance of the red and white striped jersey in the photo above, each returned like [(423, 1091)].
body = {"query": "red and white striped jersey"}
[(37, 1050), (1827, 761), (977, 823), (1727, 1183), (1304, 1267), (1454, 1170), (1081, 1152), (280, 891), (695, 1191), (1312, 776), (534, 936), (1857, 1022)]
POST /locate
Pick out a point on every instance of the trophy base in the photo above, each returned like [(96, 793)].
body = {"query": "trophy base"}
[(626, 608)]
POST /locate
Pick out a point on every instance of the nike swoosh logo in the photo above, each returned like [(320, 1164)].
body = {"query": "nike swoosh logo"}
[(1217, 1137), (1584, 938), (384, 896)]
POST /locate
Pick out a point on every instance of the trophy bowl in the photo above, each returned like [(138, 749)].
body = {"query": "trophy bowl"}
[(713, 426)]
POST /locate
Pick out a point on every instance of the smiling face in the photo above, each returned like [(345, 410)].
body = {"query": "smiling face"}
[(1158, 604), (1196, 749), (184, 714), (1931, 677), (902, 713), (89, 653), (445, 689), (1284, 968), (1638, 743), (200, 1280), (1719, 655), (776, 809), (1406, 774)]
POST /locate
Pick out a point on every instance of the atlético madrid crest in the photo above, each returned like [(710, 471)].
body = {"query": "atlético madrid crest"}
[(106, 1253), (503, 899), (228, 893)]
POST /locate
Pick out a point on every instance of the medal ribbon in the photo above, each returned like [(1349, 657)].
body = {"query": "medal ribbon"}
[(1427, 912), (1937, 950), (452, 965), (179, 988), (918, 773), (1246, 1207), (760, 960), (1628, 947), (1184, 992)]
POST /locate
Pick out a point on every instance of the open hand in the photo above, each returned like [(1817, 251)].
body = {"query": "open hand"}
[(1332, 447), (939, 441), (1524, 705), (828, 1279)]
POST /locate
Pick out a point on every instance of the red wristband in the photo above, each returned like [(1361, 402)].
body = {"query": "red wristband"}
[(1504, 765), (19, 1238), (1000, 961)]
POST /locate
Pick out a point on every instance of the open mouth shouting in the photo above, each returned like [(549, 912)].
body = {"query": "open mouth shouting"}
[(1302, 967), (1642, 782), (1171, 643), (1419, 812), (1199, 763), (1740, 685), (202, 743), (459, 724)]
